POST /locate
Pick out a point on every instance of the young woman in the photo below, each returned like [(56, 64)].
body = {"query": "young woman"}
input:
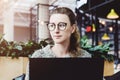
[(65, 35)]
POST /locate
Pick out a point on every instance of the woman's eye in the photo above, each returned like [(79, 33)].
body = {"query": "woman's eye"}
[(51, 26), (61, 25)]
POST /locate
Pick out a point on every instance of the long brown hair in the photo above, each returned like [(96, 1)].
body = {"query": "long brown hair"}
[(74, 47)]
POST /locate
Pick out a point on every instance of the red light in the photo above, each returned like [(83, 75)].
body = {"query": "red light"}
[(88, 28)]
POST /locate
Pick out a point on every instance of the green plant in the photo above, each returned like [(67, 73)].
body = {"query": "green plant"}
[(15, 50), (99, 51)]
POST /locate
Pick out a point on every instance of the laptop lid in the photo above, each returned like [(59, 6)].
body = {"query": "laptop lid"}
[(66, 68)]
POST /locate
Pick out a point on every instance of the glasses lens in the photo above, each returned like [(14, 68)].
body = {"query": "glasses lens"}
[(51, 26), (62, 25)]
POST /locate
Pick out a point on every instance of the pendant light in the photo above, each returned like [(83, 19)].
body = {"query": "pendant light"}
[(93, 28), (105, 36), (112, 14)]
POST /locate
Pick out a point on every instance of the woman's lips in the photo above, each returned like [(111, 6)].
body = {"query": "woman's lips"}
[(57, 36)]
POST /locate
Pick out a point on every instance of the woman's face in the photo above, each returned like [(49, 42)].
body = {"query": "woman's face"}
[(60, 28)]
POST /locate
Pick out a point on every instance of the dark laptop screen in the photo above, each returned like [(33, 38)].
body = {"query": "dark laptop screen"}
[(66, 68)]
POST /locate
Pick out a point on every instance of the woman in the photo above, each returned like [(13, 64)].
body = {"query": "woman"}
[(64, 32)]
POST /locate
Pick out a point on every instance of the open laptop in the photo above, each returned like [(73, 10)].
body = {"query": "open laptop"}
[(66, 68)]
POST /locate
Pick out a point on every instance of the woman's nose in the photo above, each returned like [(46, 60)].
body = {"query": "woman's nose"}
[(56, 29)]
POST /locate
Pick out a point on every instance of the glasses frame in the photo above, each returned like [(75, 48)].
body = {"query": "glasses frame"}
[(64, 25)]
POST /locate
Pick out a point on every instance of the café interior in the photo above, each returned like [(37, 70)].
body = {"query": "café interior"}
[(22, 21)]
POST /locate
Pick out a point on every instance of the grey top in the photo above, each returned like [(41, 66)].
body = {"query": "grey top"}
[(46, 52)]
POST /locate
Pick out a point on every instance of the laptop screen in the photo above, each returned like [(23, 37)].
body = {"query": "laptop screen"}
[(66, 68)]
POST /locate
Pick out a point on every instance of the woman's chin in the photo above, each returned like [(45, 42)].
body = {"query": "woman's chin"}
[(58, 41)]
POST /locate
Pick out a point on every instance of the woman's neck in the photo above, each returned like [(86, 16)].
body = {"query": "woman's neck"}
[(61, 50)]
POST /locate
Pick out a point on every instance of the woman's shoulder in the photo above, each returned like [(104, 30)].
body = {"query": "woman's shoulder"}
[(84, 54), (44, 52)]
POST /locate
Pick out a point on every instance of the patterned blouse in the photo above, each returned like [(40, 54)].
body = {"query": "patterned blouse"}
[(46, 52)]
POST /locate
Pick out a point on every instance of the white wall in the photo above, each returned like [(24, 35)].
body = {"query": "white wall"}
[(21, 34)]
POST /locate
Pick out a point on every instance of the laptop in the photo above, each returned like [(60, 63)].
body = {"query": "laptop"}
[(66, 68)]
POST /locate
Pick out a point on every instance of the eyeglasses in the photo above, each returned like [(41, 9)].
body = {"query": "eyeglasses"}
[(61, 26)]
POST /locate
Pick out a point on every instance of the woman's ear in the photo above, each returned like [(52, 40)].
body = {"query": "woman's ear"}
[(73, 28)]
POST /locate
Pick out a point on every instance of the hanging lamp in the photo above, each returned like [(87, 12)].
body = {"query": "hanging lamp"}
[(93, 28), (105, 36), (112, 14)]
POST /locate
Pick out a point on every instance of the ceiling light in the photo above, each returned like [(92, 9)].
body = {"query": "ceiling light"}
[(105, 36), (111, 29), (93, 28), (102, 22), (112, 14)]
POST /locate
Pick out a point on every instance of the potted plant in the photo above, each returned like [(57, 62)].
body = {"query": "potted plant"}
[(16, 50), (14, 56), (99, 51)]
